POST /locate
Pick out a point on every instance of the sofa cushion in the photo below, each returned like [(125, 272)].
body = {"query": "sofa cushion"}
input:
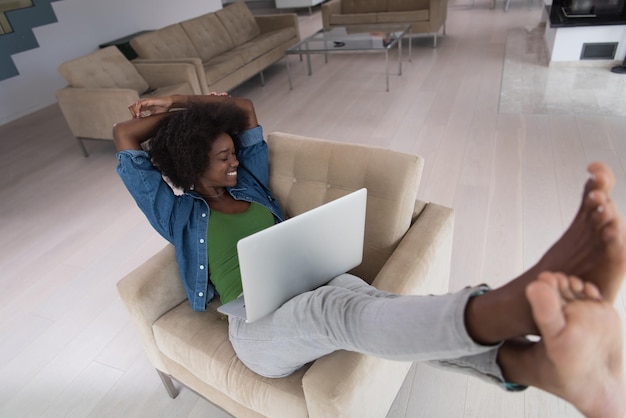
[(239, 22), (264, 43), (208, 35), (180, 88), (353, 19), (105, 68), (363, 6), (219, 67), (168, 42), (403, 17), (407, 5), (199, 342)]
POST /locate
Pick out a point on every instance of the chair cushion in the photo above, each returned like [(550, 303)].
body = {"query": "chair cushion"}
[(168, 42), (239, 22), (208, 35), (363, 6), (105, 68), (199, 342)]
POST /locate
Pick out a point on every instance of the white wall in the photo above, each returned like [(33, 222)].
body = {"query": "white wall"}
[(82, 26)]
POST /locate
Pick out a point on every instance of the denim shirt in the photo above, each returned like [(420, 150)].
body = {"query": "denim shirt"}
[(183, 220)]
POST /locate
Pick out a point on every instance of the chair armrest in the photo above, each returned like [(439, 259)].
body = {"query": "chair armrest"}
[(421, 262), (269, 23), (149, 292), (333, 7), (346, 384), (196, 63), (109, 106), (169, 73)]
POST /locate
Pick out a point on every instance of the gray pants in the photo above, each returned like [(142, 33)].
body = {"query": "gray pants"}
[(348, 314)]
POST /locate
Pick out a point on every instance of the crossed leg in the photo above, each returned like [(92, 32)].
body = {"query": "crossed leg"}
[(579, 357), (593, 248)]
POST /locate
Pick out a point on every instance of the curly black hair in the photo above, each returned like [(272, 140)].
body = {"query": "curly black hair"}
[(180, 148)]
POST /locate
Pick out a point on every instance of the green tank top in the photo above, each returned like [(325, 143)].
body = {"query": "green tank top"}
[(225, 230)]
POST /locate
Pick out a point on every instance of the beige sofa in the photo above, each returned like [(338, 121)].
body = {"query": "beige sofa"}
[(227, 47), (407, 250), (102, 84), (424, 16)]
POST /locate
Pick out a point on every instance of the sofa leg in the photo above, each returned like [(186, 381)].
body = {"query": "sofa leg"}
[(435, 40), (169, 384), (81, 144), (262, 79)]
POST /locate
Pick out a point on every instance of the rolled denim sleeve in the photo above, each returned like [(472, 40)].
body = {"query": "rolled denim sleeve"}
[(254, 154), (152, 194)]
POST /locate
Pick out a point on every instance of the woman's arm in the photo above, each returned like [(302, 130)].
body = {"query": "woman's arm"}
[(132, 133), (148, 113)]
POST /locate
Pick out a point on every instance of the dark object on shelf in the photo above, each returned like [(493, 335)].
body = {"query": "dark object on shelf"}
[(123, 44)]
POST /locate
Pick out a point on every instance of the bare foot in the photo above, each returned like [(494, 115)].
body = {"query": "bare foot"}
[(579, 358), (593, 248)]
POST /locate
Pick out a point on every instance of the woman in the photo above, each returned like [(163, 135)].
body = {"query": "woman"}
[(211, 149)]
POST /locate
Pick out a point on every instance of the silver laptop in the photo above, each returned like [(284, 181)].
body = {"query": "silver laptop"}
[(298, 255)]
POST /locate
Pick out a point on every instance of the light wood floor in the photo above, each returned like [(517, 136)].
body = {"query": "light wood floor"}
[(69, 230)]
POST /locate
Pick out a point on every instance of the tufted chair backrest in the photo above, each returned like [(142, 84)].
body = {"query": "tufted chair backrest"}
[(307, 172), (105, 68)]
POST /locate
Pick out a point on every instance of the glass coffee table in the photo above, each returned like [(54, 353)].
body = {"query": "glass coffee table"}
[(353, 39)]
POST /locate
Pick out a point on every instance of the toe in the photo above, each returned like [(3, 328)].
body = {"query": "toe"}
[(546, 305), (601, 176)]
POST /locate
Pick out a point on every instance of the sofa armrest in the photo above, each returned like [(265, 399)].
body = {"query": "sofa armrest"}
[(169, 73), (333, 7), (345, 384), (196, 63), (269, 23), (79, 105), (438, 13), (149, 292)]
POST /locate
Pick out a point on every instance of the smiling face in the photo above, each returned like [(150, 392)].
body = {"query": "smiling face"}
[(222, 168)]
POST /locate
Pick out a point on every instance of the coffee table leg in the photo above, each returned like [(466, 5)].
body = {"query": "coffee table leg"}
[(387, 68), (400, 56), (288, 72), (410, 42)]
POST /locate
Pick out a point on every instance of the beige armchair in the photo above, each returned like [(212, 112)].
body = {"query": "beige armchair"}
[(102, 84), (407, 250)]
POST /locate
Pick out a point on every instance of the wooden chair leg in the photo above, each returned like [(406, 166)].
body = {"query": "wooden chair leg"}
[(169, 384)]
